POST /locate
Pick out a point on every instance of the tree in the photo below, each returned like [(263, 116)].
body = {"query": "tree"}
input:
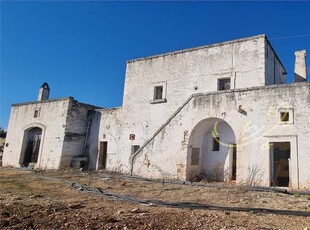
[(2, 133)]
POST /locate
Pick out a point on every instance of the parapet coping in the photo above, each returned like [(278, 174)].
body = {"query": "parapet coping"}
[(200, 47), (85, 105), (44, 101), (109, 109), (266, 87), (254, 88)]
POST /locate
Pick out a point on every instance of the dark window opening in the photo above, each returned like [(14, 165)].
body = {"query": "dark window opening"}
[(36, 113), (285, 116), (216, 144), (224, 84), (134, 148), (195, 156), (158, 92)]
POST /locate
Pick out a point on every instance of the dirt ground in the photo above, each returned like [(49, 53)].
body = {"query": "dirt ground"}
[(46, 200)]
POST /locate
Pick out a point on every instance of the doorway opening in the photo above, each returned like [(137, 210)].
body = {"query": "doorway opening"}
[(33, 141), (102, 161), (280, 161), (213, 138), (234, 162)]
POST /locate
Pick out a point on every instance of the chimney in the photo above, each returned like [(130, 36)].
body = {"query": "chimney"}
[(300, 66), (44, 92)]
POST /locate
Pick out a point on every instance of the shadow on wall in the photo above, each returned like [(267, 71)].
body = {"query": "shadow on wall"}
[(92, 140)]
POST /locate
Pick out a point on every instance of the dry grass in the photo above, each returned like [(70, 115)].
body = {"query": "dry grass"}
[(27, 200)]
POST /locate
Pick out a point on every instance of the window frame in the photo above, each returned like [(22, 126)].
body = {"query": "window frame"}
[(156, 85)]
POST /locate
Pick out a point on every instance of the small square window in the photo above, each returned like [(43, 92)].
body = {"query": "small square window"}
[(285, 116), (36, 113), (216, 144), (224, 84), (158, 92)]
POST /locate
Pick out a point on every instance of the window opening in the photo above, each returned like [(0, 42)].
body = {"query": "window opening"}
[(216, 144), (224, 84), (158, 92), (285, 116)]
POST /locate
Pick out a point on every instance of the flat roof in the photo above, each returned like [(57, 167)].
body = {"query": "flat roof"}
[(209, 46), (200, 47)]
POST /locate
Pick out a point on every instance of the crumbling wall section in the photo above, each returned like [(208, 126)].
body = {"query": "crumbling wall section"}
[(77, 129)]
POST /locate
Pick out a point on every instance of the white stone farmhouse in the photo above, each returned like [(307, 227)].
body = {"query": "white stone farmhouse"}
[(223, 110)]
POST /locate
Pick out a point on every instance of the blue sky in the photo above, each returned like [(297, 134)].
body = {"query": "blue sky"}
[(81, 48)]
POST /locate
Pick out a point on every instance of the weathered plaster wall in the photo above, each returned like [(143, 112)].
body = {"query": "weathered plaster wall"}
[(64, 123), (75, 132), (275, 72), (114, 130), (52, 119), (167, 154), (93, 138), (249, 62), (184, 73)]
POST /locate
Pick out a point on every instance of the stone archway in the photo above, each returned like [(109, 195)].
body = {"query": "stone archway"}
[(32, 143), (212, 150)]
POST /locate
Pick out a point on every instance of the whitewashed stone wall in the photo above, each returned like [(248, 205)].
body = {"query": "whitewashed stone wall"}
[(251, 64), (52, 119), (63, 123), (168, 153)]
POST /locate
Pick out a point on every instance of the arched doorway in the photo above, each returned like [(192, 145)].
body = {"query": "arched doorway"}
[(212, 151), (32, 142)]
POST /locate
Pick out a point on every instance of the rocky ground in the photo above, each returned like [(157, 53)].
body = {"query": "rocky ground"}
[(46, 200)]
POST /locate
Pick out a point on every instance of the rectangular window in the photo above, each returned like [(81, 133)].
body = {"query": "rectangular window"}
[(224, 84), (216, 144), (134, 148), (158, 92), (36, 113), (195, 156)]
